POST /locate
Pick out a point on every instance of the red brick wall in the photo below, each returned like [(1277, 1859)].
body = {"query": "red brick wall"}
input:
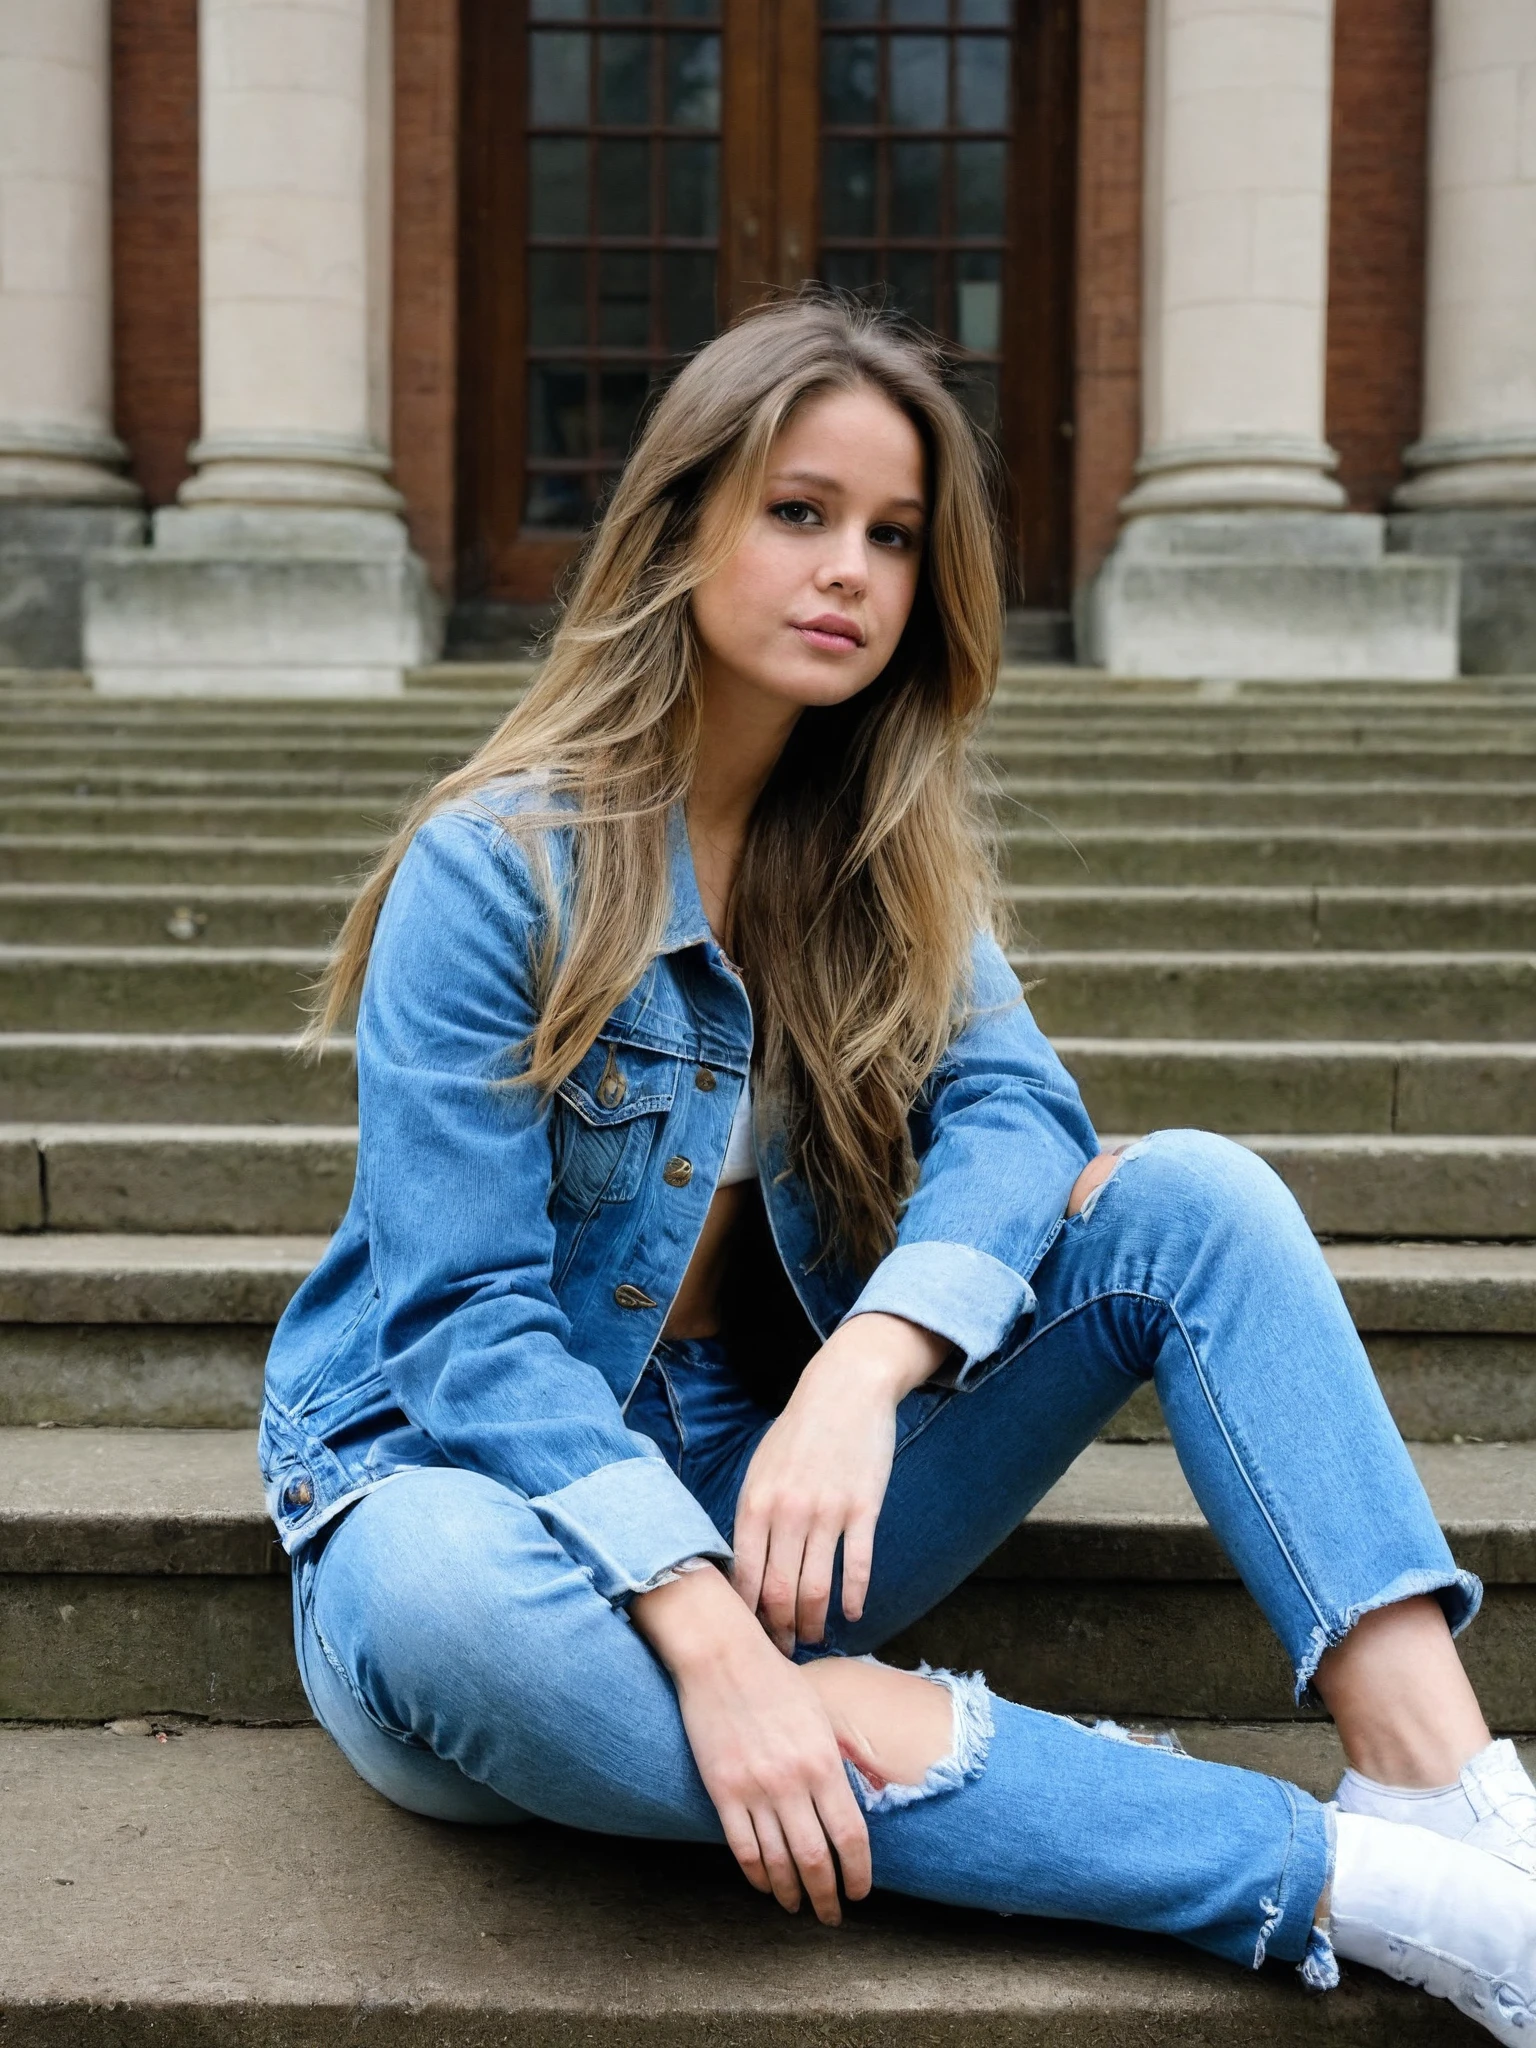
[(1376, 241), (426, 273), (154, 237), (1108, 314)]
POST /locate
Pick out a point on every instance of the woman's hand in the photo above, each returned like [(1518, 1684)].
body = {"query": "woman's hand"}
[(763, 1743), (820, 1475)]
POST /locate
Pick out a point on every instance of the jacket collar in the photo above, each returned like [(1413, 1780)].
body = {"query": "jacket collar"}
[(686, 923)]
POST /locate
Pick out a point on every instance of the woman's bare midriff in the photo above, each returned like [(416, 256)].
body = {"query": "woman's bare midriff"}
[(696, 1307)]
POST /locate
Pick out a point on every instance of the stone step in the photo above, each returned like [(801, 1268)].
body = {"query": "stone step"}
[(195, 862), (1130, 1084), (1484, 997), (307, 915), (1466, 996), (1491, 919), (274, 817), (139, 1574), (172, 1331), (93, 774), (1278, 760), (1354, 805), (293, 1178), (1232, 856), (151, 1874)]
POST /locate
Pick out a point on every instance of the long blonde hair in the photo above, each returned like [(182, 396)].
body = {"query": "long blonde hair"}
[(867, 865)]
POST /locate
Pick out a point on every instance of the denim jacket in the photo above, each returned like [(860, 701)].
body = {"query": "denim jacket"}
[(505, 1265)]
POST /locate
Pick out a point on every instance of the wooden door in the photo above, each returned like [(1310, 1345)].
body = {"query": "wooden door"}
[(636, 171)]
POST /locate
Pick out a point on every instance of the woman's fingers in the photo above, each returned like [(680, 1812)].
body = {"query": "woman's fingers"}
[(848, 1832), (808, 1844), (815, 1588), (749, 1543), (741, 1840), (858, 1565), (783, 1878), (781, 1582)]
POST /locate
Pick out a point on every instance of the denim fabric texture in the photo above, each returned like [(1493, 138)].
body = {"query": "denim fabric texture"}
[(470, 1667), (505, 1266)]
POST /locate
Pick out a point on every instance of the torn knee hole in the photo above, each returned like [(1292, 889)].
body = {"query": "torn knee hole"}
[(905, 1735)]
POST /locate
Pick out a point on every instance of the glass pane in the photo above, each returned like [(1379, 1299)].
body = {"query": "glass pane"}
[(850, 10), (557, 10), (621, 396), (985, 13), (849, 270), (979, 302), (917, 169), (693, 81), (917, 11), (623, 188), (557, 298), (694, 10), (624, 300), (977, 392), (981, 82), (557, 79), (980, 168), (557, 186), (913, 280), (557, 410), (919, 69), (848, 81), (624, 78), (622, 10), (689, 288), (693, 188), (558, 501), (847, 187)]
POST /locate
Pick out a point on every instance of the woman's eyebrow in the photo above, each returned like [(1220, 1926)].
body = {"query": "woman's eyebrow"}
[(831, 484)]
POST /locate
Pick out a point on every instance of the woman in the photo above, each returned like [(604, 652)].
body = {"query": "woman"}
[(685, 989)]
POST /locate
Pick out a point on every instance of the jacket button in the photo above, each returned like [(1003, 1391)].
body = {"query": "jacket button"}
[(632, 1297), (612, 1087), (678, 1171), (298, 1493), (705, 1081)]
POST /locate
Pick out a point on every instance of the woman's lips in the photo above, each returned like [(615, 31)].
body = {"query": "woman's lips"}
[(822, 633)]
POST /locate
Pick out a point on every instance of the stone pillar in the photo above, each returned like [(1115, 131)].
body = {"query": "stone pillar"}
[(1473, 491), (1236, 557), (285, 566), (61, 493)]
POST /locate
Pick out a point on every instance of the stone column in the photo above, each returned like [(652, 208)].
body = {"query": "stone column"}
[(1473, 491), (285, 566), (61, 493), (1236, 556)]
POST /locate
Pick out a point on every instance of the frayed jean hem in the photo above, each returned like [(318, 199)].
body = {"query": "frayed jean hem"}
[(1460, 1595)]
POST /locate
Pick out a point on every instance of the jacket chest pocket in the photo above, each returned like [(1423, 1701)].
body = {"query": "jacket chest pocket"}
[(608, 1115)]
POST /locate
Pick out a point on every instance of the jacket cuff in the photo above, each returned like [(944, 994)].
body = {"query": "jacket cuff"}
[(957, 1292), (629, 1523)]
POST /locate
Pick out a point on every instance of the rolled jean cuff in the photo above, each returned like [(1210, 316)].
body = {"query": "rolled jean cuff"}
[(1288, 1931), (954, 1290), (1459, 1593), (629, 1523)]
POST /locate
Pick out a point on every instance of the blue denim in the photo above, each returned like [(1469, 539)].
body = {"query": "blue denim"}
[(471, 1666), (506, 1264)]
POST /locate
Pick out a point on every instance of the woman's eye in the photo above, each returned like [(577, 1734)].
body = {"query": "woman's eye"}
[(890, 536), (795, 512)]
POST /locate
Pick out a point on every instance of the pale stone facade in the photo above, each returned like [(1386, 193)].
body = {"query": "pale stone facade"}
[(285, 565)]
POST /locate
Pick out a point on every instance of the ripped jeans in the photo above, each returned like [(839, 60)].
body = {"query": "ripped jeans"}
[(469, 1670)]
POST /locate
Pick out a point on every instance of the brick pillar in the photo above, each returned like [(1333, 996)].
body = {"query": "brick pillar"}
[(61, 490), (1473, 493)]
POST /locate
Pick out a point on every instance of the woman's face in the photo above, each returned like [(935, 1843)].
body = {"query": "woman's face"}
[(811, 605)]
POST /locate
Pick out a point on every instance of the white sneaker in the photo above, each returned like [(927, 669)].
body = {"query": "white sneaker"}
[(1492, 1805), (1450, 1919)]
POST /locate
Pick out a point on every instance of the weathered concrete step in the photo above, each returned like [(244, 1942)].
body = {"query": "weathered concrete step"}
[(85, 857), (127, 1556), (1406, 919), (1230, 856), (92, 775), (215, 914), (302, 817), (1317, 1086), (1278, 759), (1131, 1084), (1104, 802), (1486, 997), (255, 1178), (151, 1889), (1469, 996)]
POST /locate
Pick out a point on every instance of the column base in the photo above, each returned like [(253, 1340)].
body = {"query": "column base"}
[(261, 603), (43, 552), (1272, 596), (1497, 552)]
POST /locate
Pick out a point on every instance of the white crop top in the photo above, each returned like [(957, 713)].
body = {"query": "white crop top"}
[(740, 1155)]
